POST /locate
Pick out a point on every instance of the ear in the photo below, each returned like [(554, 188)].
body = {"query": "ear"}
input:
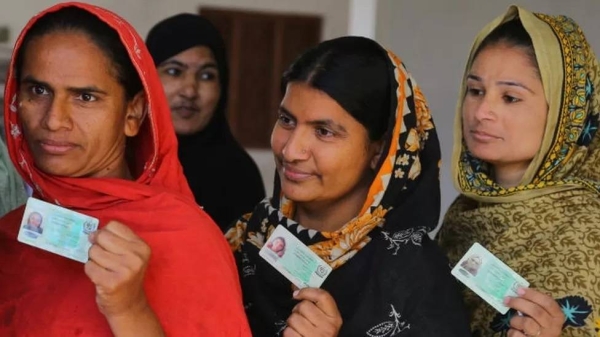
[(136, 112), (376, 153)]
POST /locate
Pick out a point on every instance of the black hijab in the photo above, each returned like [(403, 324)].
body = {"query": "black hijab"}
[(389, 279), (222, 176)]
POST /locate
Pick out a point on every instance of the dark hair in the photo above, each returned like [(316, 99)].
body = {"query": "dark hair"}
[(354, 71), (512, 34), (106, 38)]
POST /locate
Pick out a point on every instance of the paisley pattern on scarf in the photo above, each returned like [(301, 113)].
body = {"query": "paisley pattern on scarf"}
[(410, 136), (548, 228)]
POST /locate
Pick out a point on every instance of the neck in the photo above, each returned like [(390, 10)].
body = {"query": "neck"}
[(117, 169), (331, 216), (122, 172), (509, 175)]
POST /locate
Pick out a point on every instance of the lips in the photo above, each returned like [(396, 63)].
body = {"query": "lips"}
[(483, 136), (293, 174), (185, 111), (56, 147)]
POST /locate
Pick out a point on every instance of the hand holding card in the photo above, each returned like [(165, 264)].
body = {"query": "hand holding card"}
[(316, 314), (117, 265), (540, 315)]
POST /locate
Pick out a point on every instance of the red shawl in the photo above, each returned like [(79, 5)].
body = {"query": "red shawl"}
[(191, 281)]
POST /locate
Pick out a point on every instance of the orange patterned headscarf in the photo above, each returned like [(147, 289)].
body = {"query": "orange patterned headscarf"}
[(409, 172)]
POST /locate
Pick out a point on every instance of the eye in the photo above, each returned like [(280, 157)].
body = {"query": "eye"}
[(87, 97), (474, 91), (39, 90), (175, 72), (285, 121), (208, 76), (510, 99), (324, 133)]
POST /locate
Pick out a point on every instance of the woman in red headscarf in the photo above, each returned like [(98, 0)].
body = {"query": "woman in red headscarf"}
[(89, 128)]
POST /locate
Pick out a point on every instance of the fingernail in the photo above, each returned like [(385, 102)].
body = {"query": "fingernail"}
[(521, 291), (506, 300), (295, 293)]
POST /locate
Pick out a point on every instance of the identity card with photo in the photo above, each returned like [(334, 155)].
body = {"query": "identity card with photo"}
[(488, 277), (57, 229), (298, 263)]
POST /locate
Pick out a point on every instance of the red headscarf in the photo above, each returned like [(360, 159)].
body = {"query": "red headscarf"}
[(191, 282)]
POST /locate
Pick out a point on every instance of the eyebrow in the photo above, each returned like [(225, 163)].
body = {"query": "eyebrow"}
[(77, 90), (318, 122), (207, 65), (509, 83)]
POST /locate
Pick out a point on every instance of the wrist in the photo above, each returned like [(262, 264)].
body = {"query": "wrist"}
[(137, 319), (139, 308)]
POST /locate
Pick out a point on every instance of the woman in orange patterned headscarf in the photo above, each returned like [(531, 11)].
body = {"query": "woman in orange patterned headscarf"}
[(357, 160), (89, 129)]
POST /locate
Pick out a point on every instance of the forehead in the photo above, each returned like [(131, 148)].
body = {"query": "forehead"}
[(306, 102), (501, 59), (65, 55), (195, 56)]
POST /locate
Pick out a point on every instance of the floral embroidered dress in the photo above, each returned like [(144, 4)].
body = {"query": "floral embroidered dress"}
[(389, 278), (547, 228)]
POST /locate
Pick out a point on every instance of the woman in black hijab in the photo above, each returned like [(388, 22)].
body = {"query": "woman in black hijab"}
[(190, 57), (357, 181)]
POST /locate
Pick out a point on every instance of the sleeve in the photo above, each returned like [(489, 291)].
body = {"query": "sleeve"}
[(192, 281)]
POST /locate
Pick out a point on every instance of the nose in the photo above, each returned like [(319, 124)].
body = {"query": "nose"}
[(189, 88), (485, 108), (58, 115), (297, 146)]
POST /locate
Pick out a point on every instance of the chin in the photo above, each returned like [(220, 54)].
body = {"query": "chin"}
[(61, 170), (484, 153), (297, 194)]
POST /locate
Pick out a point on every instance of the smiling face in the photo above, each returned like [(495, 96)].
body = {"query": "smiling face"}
[(322, 154), (74, 111), (193, 88), (504, 110)]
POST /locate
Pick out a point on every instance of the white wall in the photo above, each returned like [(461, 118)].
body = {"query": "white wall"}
[(433, 37)]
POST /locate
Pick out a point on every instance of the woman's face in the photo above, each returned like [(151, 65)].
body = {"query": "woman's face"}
[(74, 111), (323, 155), (504, 110), (35, 220), (193, 88), (278, 245)]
